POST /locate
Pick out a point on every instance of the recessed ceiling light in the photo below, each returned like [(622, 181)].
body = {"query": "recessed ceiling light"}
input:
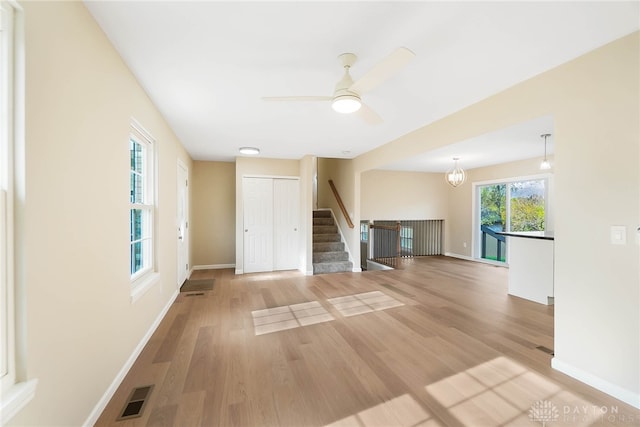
[(250, 151)]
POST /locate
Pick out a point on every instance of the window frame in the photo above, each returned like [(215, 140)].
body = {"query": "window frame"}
[(143, 279), (475, 221), (7, 325), (15, 390)]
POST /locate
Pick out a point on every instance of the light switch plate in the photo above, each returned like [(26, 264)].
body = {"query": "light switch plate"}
[(618, 235)]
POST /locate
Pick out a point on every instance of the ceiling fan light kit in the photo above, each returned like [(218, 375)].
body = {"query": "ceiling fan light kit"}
[(346, 98), (346, 104)]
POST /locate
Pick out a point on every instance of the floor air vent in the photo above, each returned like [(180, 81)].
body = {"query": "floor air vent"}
[(198, 294), (545, 349), (136, 402)]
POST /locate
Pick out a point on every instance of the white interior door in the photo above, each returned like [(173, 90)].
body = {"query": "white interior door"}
[(258, 224), (286, 218), (182, 223)]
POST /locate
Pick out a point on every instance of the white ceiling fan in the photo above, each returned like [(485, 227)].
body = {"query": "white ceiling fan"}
[(347, 95)]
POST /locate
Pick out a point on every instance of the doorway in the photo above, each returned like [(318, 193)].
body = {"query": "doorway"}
[(182, 216)]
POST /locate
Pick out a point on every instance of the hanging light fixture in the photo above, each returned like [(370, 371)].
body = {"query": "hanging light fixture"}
[(545, 163), (456, 176)]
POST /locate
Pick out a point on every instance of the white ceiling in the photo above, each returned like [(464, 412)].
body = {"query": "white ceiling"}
[(518, 142), (206, 65)]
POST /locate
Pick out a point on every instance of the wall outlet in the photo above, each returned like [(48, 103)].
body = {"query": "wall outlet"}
[(464, 244), (618, 235)]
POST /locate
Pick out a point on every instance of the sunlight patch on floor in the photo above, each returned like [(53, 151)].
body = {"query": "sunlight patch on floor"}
[(402, 411), (503, 392), (288, 317), (367, 302)]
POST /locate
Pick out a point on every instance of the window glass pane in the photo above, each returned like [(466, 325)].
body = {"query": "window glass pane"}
[(493, 218), (136, 156), (527, 206), (136, 257), (493, 206), (406, 238), (364, 232), (137, 153), (136, 224)]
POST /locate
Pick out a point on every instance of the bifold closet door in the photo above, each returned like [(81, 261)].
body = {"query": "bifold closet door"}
[(258, 224), (286, 217)]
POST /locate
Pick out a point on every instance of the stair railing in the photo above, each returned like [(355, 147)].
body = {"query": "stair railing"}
[(340, 204)]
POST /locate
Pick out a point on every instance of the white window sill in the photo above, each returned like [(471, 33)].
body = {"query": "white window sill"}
[(142, 285), (15, 398)]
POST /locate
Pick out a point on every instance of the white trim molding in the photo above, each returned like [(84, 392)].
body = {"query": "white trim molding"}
[(113, 387), (627, 396), (212, 267), (14, 399), (480, 260)]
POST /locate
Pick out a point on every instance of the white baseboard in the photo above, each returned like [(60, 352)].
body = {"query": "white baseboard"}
[(480, 260), (356, 270), (596, 382), (453, 255), (212, 267), (102, 403)]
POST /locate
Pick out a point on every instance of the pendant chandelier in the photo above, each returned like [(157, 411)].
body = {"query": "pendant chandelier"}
[(456, 176)]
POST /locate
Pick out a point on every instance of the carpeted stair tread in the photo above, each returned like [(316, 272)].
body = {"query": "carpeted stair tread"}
[(328, 246), (332, 267), (329, 255), (320, 238)]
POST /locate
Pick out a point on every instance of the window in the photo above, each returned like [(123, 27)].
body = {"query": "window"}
[(406, 240), (517, 205), (364, 231), (6, 192), (15, 392), (142, 204)]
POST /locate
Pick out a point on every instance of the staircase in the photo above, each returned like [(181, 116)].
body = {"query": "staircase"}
[(329, 255)]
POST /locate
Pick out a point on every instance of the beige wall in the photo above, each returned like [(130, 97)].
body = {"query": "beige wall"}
[(395, 195), (255, 166), (214, 214), (595, 103), (307, 178), (459, 226), (81, 326)]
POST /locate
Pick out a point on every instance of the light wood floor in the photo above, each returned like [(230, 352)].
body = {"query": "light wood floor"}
[(459, 351)]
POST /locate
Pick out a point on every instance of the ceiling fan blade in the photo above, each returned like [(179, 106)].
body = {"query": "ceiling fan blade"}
[(297, 98), (368, 115), (383, 70)]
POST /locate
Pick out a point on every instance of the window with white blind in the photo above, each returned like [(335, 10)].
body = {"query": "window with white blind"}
[(142, 206)]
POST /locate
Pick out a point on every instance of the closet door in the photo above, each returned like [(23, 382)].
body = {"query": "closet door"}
[(258, 224), (286, 218)]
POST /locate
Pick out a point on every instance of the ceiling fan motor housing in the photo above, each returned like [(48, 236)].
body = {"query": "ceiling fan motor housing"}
[(345, 100)]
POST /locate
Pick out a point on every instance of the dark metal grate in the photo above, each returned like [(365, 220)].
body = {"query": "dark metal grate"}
[(135, 403), (195, 294)]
